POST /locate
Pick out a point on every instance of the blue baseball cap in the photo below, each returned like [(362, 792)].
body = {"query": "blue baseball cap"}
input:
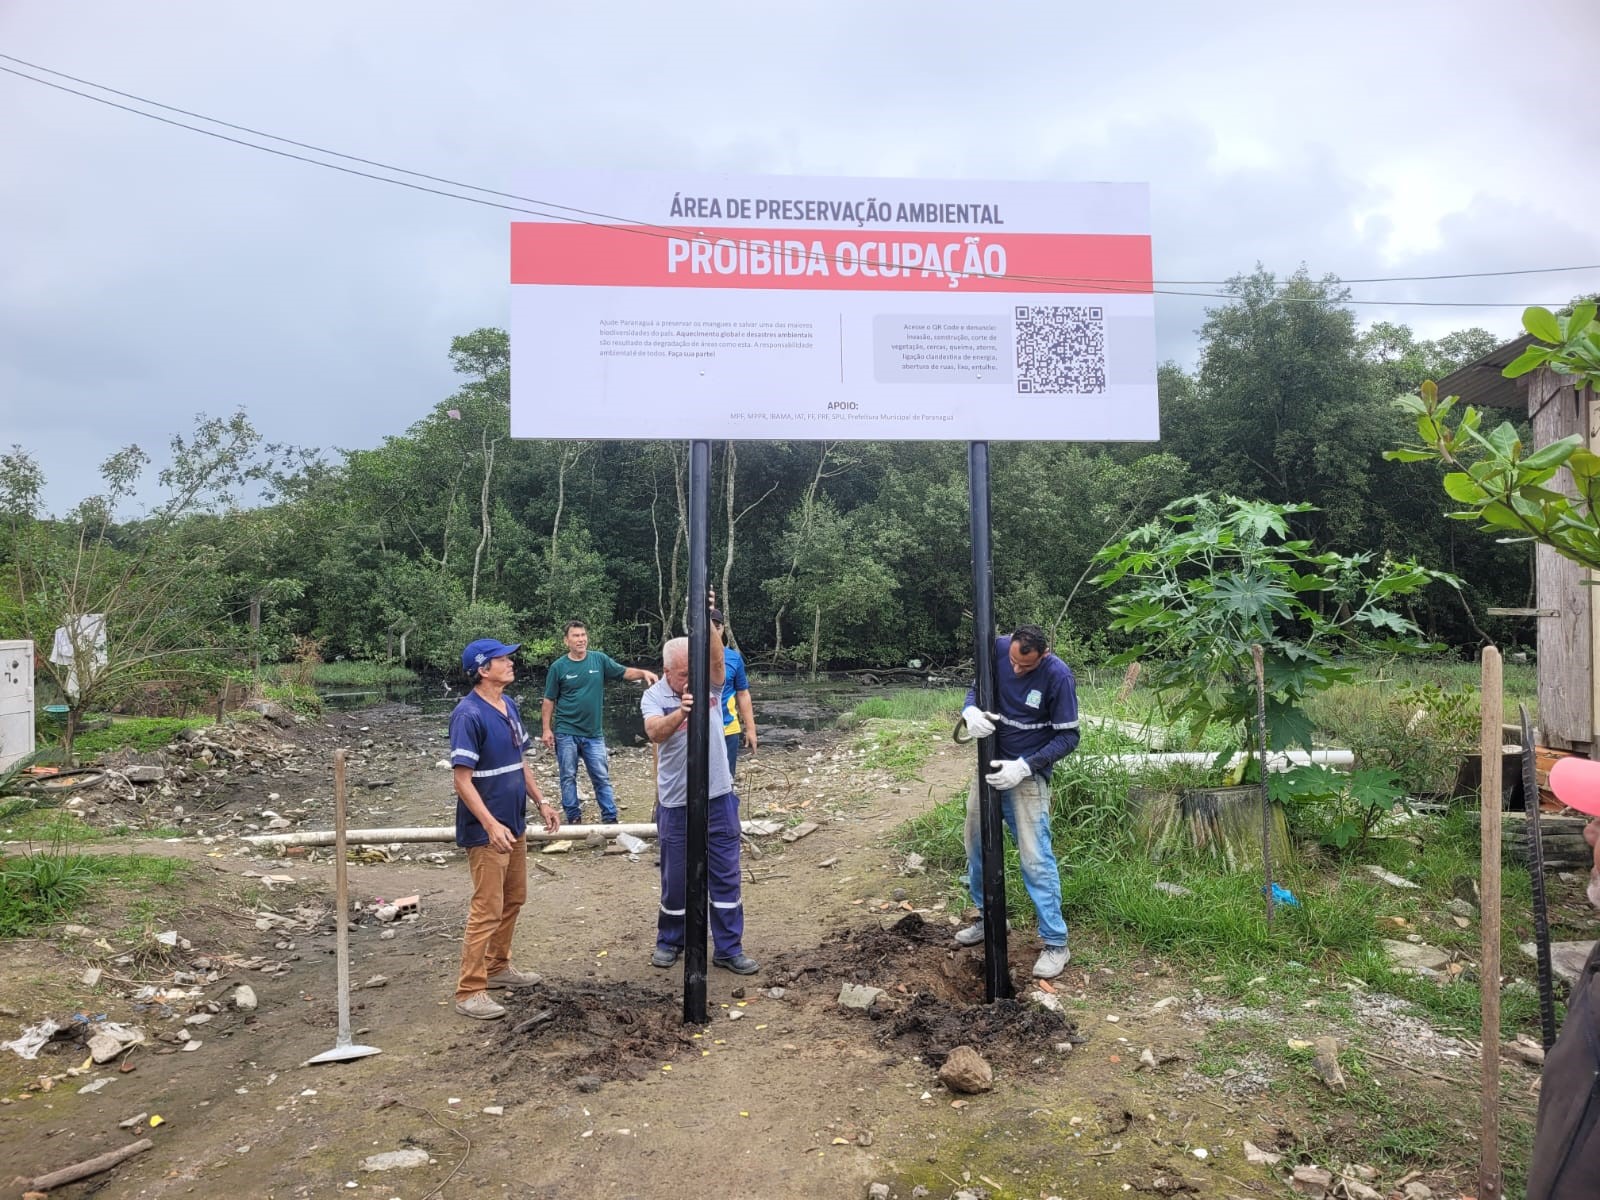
[(481, 651)]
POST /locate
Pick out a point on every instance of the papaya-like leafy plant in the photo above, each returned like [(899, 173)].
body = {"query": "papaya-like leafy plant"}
[(1213, 575)]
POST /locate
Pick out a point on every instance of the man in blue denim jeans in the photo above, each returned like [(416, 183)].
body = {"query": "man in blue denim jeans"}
[(1037, 724), (574, 687)]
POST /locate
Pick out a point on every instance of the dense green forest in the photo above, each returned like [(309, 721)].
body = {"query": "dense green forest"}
[(842, 553)]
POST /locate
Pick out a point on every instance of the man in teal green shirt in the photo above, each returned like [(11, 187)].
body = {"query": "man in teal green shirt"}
[(574, 688)]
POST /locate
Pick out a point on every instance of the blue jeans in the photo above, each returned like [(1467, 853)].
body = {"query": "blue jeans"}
[(1026, 809), (569, 749), (732, 741)]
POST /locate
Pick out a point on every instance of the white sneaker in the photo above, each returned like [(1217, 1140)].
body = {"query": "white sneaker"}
[(513, 978), (1052, 961), (480, 1007), (972, 935)]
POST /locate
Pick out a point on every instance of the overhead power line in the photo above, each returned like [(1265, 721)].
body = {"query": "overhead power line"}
[(551, 210)]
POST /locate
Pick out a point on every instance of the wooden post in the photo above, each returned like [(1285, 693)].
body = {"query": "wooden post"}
[(255, 636), (1489, 822)]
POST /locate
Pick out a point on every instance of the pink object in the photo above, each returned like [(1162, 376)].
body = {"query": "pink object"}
[(1576, 783)]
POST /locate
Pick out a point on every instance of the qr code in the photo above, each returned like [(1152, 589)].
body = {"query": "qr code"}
[(1061, 348)]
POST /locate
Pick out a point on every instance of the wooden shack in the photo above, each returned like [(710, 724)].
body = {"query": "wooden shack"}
[(1566, 610)]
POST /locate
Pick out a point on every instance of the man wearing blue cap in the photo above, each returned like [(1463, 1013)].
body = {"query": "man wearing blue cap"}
[(493, 783)]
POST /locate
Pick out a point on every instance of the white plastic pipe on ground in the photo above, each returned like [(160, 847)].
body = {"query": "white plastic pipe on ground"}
[(447, 833), (1278, 760)]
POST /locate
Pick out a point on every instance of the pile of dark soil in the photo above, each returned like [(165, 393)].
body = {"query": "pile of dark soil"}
[(934, 993), (566, 1030), (1008, 1033)]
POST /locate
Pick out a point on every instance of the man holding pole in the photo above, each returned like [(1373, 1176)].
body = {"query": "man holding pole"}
[(1037, 724), (493, 783), (666, 706)]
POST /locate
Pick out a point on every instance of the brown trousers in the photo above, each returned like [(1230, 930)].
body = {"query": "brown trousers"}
[(499, 887)]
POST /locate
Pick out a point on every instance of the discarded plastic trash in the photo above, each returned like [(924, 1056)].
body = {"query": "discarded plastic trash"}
[(1282, 895), (630, 843), (33, 1037)]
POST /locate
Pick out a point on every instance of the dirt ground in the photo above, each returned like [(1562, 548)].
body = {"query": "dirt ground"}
[(593, 1085)]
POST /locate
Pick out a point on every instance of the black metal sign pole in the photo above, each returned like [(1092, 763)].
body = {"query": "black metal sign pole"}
[(996, 969), (694, 932)]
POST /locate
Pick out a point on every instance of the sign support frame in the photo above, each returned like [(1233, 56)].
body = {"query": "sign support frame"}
[(996, 967)]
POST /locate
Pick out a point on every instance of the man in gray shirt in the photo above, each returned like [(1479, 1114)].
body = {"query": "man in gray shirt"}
[(666, 705)]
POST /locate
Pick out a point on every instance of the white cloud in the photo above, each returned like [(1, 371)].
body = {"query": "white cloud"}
[(152, 273)]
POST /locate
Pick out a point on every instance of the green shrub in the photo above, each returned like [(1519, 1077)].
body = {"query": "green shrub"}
[(38, 888), (294, 696)]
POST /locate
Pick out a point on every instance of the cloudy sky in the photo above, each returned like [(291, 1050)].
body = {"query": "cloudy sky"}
[(149, 273)]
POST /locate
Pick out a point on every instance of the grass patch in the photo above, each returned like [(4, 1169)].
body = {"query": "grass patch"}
[(50, 826), (140, 734), (898, 747), (900, 728), (1219, 928), (344, 673), (44, 887), (911, 704), (295, 697)]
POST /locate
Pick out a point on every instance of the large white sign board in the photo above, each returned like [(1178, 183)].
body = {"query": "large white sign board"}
[(771, 307)]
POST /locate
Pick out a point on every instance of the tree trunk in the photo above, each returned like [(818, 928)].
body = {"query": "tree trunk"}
[(661, 578), (483, 510), (562, 466), (730, 459), (680, 535), (725, 595), (816, 638), (805, 526), (69, 735)]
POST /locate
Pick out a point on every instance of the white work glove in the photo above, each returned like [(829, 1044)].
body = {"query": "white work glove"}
[(1007, 773), (978, 723)]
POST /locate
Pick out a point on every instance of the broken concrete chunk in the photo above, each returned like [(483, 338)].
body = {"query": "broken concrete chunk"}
[(1325, 1062), (800, 831), (855, 995), (1566, 958), (1412, 957), (110, 1039), (1311, 1181), (564, 846), (1254, 1154), (965, 1071), (145, 773), (244, 998), (396, 1160)]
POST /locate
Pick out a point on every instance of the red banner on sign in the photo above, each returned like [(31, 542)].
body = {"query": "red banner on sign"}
[(828, 260)]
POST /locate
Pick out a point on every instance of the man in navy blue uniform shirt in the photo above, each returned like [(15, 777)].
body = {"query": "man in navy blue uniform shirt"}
[(493, 783), (1037, 724)]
